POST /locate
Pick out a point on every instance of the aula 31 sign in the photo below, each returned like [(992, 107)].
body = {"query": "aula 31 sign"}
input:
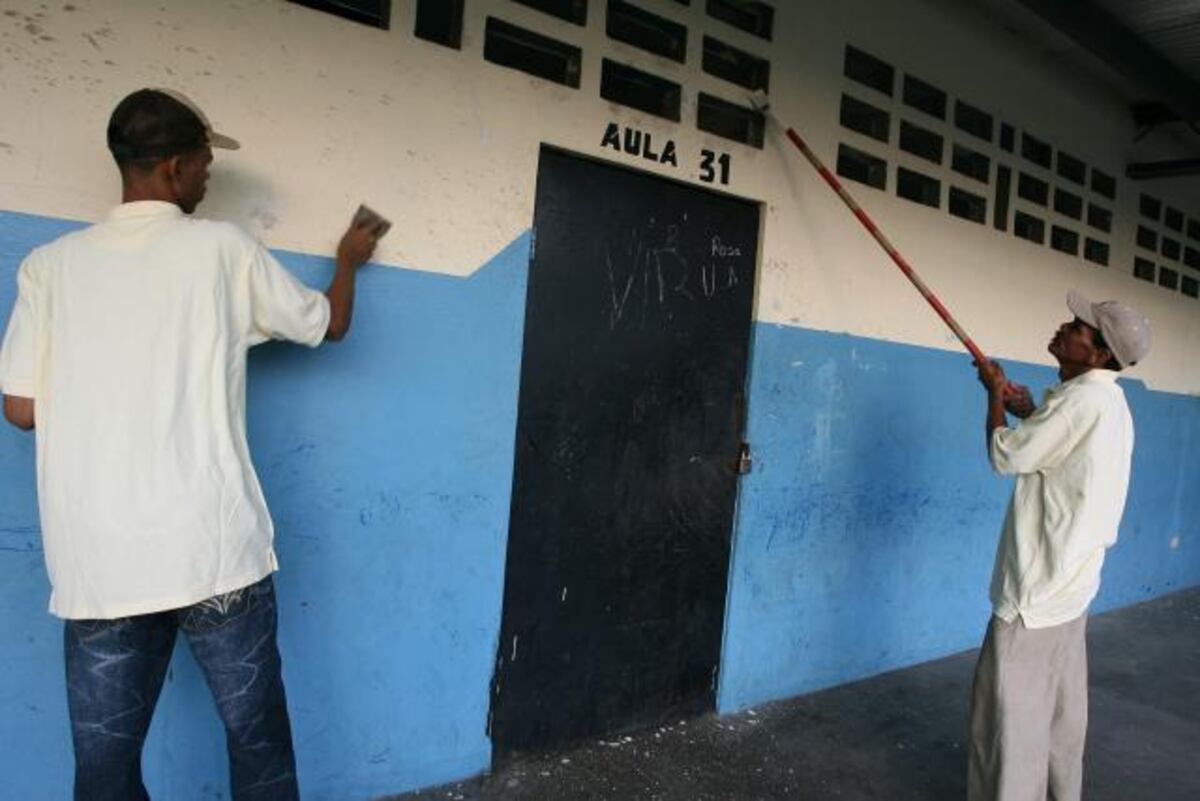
[(712, 167)]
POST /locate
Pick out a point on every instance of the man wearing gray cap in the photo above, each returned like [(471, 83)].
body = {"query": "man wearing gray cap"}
[(1071, 457), (126, 350)]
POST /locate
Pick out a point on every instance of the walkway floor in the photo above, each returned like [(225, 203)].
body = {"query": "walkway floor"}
[(897, 736)]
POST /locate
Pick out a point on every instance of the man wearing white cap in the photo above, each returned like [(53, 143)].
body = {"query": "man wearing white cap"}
[(1071, 457), (126, 350)]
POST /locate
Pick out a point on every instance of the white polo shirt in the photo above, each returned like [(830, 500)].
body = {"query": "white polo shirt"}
[(131, 335), (1071, 458)]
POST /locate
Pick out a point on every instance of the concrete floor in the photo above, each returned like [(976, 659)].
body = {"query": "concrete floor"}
[(897, 736)]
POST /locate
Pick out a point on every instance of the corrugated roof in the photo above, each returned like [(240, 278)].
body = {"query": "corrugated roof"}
[(1171, 27)]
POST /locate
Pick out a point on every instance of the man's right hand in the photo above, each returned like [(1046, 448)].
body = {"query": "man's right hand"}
[(1018, 401), (358, 243)]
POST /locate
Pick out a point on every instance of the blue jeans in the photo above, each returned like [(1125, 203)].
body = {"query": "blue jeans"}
[(115, 671)]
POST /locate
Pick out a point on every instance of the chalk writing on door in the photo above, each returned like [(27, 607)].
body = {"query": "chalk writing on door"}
[(650, 269)]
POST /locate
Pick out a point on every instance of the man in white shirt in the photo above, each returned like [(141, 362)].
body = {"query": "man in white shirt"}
[(127, 348), (1072, 458)]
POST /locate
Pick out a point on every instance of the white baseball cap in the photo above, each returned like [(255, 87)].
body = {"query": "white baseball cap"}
[(1126, 330)]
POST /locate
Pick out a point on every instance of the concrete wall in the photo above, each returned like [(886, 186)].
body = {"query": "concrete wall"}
[(864, 536)]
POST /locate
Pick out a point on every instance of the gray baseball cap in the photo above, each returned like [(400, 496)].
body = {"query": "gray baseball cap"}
[(1126, 330), (159, 123)]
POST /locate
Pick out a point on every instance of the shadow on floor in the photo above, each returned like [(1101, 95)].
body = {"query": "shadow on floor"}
[(898, 736)]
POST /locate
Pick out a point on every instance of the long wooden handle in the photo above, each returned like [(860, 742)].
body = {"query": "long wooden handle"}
[(883, 241)]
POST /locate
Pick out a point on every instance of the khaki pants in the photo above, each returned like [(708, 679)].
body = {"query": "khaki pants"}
[(1029, 713)]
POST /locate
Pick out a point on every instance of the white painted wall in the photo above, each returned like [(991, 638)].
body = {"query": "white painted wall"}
[(331, 112)]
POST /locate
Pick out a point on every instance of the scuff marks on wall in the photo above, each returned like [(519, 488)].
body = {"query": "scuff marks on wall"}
[(21, 538)]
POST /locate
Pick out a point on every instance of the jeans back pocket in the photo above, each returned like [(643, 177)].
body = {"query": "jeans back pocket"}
[(221, 610)]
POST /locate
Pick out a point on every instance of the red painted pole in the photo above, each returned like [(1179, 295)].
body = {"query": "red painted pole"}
[(900, 261)]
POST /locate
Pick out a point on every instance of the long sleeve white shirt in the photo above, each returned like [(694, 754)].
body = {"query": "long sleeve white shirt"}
[(1072, 459)]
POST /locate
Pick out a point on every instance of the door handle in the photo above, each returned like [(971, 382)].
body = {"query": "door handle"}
[(744, 463)]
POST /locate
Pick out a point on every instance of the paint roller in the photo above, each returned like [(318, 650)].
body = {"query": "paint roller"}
[(761, 103)]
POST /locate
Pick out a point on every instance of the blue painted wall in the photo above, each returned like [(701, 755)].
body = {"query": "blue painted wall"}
[(866, 532), (864, 539), (387, 462)]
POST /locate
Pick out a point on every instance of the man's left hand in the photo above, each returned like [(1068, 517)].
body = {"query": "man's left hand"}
[(358, 243)]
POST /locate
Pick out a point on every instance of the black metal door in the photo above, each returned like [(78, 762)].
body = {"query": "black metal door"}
[(631, 409)]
